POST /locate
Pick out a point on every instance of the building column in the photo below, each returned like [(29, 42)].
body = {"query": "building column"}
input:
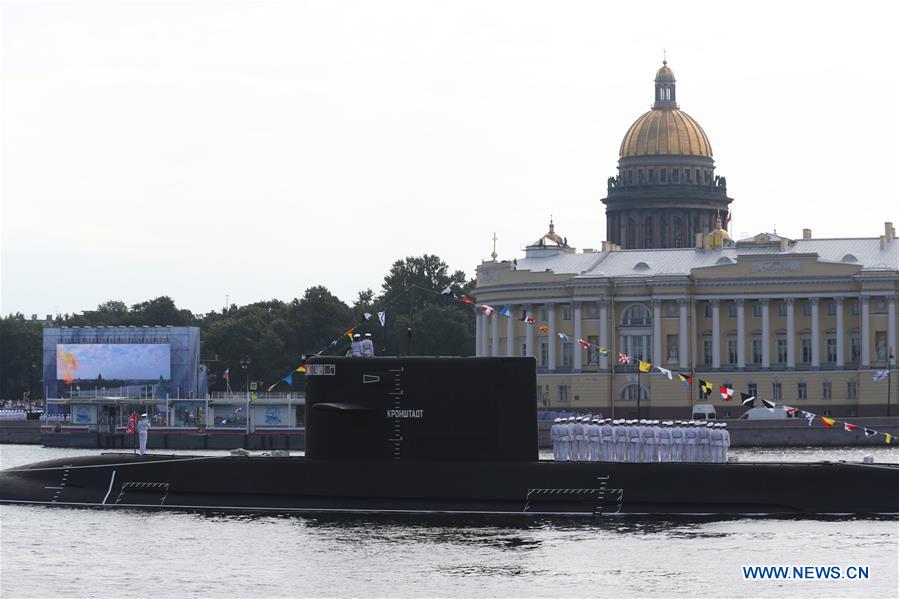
[(766, 334), (682, 334), (485, 333), (816, 337), (478, 332), (604, 333), (716, 334), (494, 341), (656, 332), (741, 334), (576, 348), (551, 337), (841, 341), (891, 329), (510, 332), (529, 331), (866, 336), (791, 334)]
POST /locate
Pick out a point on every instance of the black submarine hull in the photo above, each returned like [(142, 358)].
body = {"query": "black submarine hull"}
[(588, 489)]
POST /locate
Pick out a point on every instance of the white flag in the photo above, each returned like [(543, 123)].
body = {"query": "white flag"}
[(447, 291), (382, 316), (665, 371), (367, 315), (881, 375)]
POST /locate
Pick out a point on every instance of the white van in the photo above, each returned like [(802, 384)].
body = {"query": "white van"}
[(704, 412), (764, 414)]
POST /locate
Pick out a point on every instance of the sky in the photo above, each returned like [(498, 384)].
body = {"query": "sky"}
[(250, 150)]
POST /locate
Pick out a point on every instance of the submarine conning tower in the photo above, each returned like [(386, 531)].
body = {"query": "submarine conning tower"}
[(421, 408)]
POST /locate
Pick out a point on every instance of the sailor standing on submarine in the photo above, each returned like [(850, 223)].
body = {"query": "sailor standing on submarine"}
[(554, 436), (368, 347), (143, 427), (356, 346)]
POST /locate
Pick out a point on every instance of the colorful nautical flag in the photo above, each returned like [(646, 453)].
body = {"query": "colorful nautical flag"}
[(487, 309), (624, 358), (686, 380), (227, 374), (705, 388), (350, 333), (869, 432), (747, 399), (644, 366), (583, 343), (849, 427), (809, 416), (506, 312), (768, 404), (888, 438), (301, 368), (603, 351), (881, 375), (665, 371), (527, 319), (828, 422), (790, 410), (447, 291), (132, 420), (543, 328), (366, 315), (563, 337), (726, 392), (382, 317), (466, 300)]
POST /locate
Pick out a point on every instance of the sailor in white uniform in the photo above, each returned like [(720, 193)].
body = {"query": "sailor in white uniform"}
[(565, 439), (554, 437), (143, 428), (726, 438), (716, 443), (677, 442), (619, 440), (702, 442), (664, 439), (577, 439), (633, 442), (606, 440), (368, 346), (356, 346), (648, 440), (690, 441), (592, 435)]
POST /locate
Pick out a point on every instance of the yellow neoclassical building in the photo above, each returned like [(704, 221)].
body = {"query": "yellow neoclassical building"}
[(807, 322)]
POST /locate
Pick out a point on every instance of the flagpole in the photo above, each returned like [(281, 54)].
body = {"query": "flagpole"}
[(890, 357), (639, 388)]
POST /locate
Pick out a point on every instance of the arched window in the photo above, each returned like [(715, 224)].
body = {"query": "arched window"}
[(647, 232), (678, 232), (630, 392), (637, 314), (631, 233), (663, 230)]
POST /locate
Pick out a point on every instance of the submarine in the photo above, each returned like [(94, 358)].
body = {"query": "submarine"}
[(432, 435)]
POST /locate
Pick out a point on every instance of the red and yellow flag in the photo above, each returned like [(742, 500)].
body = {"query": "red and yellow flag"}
[(828, 422)]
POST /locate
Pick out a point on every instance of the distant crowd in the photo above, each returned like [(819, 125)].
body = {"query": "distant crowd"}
[(586, 439)]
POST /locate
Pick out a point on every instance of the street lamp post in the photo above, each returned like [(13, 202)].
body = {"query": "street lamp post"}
[(244, 365), (31, 389), (639, 388), (890, 359)]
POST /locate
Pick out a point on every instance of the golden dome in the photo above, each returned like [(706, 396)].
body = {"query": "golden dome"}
[(670, 132), (664, 73)]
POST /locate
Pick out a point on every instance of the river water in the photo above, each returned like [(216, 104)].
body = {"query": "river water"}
[(66, 552)]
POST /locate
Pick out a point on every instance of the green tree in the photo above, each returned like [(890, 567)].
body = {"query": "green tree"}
[(21, 342)]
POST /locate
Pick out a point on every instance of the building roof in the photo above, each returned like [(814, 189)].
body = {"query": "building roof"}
[(667, 132)]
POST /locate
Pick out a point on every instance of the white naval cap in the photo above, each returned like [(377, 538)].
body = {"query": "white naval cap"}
[(557, 420), (144, 415), (357, 336), (368, 334)]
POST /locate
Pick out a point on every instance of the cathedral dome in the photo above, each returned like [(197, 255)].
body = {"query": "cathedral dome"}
[(665, 131)]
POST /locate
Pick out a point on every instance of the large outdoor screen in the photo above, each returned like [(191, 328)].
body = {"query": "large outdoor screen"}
[(113, 361)]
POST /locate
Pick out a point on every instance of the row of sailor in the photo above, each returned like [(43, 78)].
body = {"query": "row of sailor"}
[(582, 439)]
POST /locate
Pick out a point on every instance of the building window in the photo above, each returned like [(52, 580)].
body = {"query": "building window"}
[(826, 390), (637, 346), (880, 345), (687, 175), (544, 354), (678, 233), (776, 391), (801, 391), (592, 352), (752, 389), (855, 349), (852, 390), (707, 309), (647, 231), (566, 312), (756, 351), (830, 349), (563, 393), (636, 315), (731, 351), (672, 348), (782, 309), (732, 309), (781, 351), (629, 393), (566, 354), (757, 309), (707, 352), (592, 310), (663, 175), (652, 175), (853, 308), (831, 308), (805, 347), (674, 175), (670, 309), (543, 314), (807, 308)]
